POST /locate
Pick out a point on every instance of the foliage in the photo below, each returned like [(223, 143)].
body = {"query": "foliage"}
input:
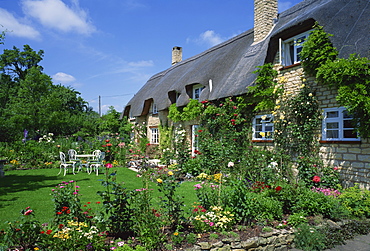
[(266, 89), (297, 219), (168, 183), (313, 172), (190, 112), (309, 238), (25, 231), (352, 78), (296, 118), (248, 206), (310, 203), (210, 191), (147, 221), (30, 101), (116, 216), (317, 50), (356, 201)]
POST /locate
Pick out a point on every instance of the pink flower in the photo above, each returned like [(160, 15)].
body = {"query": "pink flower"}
[(197, 186), (335, 168), (28, 212), (316, 179), (108, 165), (211, 224)]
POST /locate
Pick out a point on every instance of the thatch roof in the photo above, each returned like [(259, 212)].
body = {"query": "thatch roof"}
[(230, 65)]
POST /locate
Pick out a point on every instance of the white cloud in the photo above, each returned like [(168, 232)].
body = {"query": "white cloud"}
[(208, 37), (142, 63), (63, 78), (15, 27), (57, 15)]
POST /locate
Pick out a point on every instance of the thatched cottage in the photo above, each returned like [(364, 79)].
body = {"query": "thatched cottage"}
[(227, 70)]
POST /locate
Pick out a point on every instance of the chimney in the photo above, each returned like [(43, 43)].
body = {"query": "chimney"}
[(176, 55), (265, 11)]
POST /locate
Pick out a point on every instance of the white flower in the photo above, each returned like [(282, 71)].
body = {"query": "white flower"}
[(230, 164)]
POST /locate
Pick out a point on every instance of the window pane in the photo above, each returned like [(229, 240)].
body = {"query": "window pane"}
[(268, 128), (346, 115), (348, 124), (332, 134), (258, 121), (333, 125), (259, 128), (349, 134), (257, 135), (333, 114)]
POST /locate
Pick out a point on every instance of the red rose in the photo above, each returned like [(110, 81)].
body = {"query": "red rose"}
[(49, 231), (278, 188), (316, 179), (107, 140)]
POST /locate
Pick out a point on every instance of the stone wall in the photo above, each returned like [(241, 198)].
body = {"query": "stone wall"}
[(277, 240), (352, 158)]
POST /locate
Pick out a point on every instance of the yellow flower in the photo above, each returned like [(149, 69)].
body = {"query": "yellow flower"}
[(36, 248), (310, 94), (159, 180), (170, 173), (262, 134), (176, 233)]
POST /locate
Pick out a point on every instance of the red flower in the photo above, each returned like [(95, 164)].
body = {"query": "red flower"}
[(109, 144), (98, 202), (316, 179), (203, 210), (68, 211), (200, 130), (59, 212), (88, 202), (107, 140), (148, 144), (42, 232), (278, 188), (195, 210), (108, 165), (49, 231), (232, 120), (28, 212), (235, 107), (60, 226)]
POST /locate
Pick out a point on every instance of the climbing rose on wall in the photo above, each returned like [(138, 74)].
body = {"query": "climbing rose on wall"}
[(316, 179)]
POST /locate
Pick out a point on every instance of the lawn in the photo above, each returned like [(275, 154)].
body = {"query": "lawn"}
[(22, 188)]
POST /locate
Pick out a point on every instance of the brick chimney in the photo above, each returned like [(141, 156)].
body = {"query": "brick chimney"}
[(265, 11), (176, 55)]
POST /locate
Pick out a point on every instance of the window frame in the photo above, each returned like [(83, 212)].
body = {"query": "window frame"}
[(154, 108), (285, 49), (265, 122), (197, 87), (340, 120), (154, 135)]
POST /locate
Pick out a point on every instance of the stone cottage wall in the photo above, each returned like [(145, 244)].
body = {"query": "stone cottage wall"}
[(352, 158)]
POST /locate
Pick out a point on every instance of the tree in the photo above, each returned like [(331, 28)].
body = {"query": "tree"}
[(31, 101)]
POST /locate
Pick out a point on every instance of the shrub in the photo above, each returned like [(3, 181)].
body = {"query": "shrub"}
[(309, 238), (356, 201)]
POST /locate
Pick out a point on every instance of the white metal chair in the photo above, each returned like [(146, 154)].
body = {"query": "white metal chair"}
[(97, 162), (65, 164)]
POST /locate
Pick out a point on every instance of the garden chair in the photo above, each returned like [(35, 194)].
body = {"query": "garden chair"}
[(97, 162), (72, 153), (65, 164)]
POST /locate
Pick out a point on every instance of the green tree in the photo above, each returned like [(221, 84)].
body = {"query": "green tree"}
[(30, 100)]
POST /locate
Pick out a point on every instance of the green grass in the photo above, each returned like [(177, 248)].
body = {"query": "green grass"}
[(22, 188)]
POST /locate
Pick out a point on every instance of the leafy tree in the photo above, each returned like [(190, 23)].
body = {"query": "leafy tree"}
[(29, 99)]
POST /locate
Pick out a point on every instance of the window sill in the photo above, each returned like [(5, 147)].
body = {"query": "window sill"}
[(340, 142), (289, 66), (262, 141)]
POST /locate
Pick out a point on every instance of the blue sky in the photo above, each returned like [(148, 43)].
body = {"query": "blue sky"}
[(110, 48)]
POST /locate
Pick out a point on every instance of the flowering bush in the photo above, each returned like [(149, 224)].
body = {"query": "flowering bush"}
[(326, 191), (215, 219), (67, 205)]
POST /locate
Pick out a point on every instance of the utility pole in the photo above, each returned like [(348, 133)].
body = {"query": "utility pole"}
[(99, 106)]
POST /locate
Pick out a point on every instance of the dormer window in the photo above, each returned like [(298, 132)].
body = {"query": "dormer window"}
[(290, 49), (154, 108), (197, 89)]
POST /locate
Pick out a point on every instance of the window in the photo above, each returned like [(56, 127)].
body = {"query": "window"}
[(263, 127), (337, 125), (154, 135), (194, 139), (290, 49), (154, 109), (197, 89)]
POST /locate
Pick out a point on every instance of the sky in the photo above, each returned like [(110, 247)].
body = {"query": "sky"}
[(110, 48)]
